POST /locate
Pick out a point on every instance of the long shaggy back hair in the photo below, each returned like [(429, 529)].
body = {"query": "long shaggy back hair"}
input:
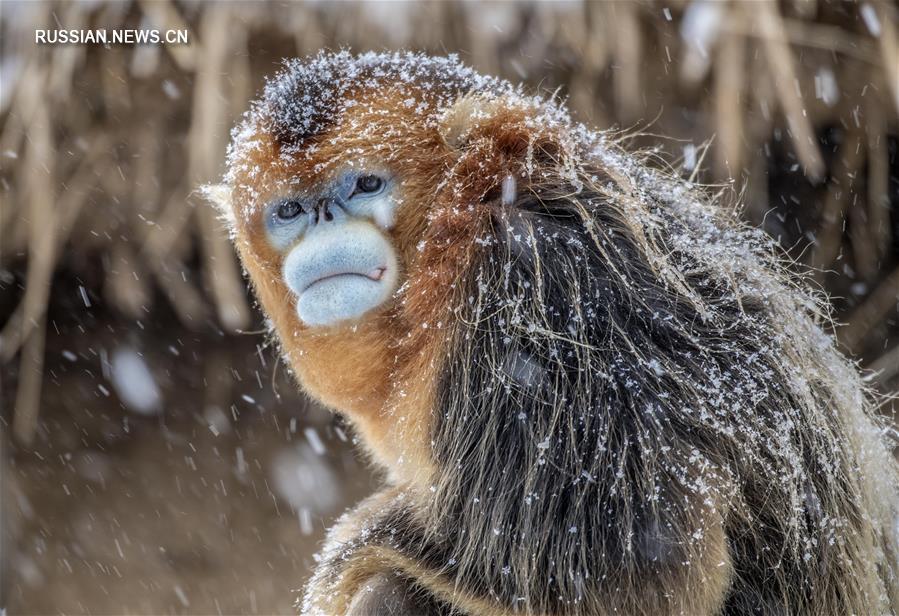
[(629, 368)]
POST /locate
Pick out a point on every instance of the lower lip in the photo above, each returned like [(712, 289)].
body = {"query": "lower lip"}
[(375, 276)]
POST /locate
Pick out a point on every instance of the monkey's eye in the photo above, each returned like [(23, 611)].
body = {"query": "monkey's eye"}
[(288, 210), (368, 184)]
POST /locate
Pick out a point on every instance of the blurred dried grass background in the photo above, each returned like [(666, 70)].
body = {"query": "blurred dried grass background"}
[(103, 239)]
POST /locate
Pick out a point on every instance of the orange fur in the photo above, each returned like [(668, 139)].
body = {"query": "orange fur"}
[(379, 371)]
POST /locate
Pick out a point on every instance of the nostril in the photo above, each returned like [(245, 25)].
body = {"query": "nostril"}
[(323, 211)]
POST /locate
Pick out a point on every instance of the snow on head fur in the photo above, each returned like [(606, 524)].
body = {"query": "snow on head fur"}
[(629, 405)]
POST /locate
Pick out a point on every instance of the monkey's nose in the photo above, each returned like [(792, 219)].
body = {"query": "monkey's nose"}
[(325, 210)]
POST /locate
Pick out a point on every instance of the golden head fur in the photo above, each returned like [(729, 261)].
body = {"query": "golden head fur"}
[(594, 390)]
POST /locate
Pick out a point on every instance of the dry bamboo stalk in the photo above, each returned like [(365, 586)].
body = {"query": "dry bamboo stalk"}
[(455, 23), (66, 57), (582, 102), (570, 28), (241, 77), (728, 105), (41, 259), (164, 14), (307, 29), (28, 394), (628, 56), (144, 61), (209, 115), (889, 48), (596, 51), (145, 189), (208, 127), (348, 28), (886, 366), (829, 236), (864, 248), (764, 99), (806, 8), (114, 74), (28, 56), (41, 224), (22, 107), (8, 219), (870, 313), (18, 242), (815, 35), (483, 46), (700, 31), (128, 294), (126, 287), (758, 122), (592, 49), (756, 198), (13, 132), (222, 272), (780, 62), (546, 22), (878, 184), (115, 188)]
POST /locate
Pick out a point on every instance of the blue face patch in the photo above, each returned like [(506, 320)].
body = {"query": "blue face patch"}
[(283, 232), (355, 194), (340, 273), (372, 200)]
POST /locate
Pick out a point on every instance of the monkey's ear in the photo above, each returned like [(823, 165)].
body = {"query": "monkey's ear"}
[(457, 122), (219, 195)]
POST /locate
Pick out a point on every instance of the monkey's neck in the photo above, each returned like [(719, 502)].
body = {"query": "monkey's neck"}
[(354, 371), (343, 368)]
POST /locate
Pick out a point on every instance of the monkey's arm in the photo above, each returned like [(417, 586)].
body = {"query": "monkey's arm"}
[(361, 573), (389, 594), (376, 561)]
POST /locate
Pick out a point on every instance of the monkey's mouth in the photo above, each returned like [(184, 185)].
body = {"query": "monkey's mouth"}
[(375, 275), (337, 278), (340, 295)]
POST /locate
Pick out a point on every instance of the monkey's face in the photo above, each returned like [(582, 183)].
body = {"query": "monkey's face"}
[(337, 260), (328, 228), (328, 221)]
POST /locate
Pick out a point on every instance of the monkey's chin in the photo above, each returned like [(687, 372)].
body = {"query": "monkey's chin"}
[(342, 298)]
